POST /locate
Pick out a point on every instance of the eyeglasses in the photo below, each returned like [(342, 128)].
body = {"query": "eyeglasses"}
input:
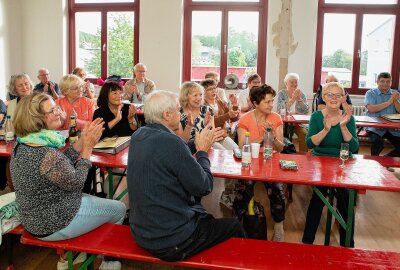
[(80, 88), (141, 71), (332, 95), (55, 110)]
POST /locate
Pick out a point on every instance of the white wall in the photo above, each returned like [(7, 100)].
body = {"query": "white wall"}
[(161, 41), (10, 42), (38, 41)]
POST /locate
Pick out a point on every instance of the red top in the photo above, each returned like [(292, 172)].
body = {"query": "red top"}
[(249, 123), (83, 107)]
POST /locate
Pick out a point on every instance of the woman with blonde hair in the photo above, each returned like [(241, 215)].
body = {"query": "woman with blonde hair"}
[(48, 182), (73, 102), (88, 87)]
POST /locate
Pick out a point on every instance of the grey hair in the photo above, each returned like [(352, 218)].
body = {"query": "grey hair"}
[(13, 79), (331, 75), (158, 102), (291, 76), (332, 85), (186, 89)]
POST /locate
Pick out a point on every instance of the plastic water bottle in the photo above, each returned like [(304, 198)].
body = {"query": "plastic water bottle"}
[(268, 143), (8, 130), (246, 151)]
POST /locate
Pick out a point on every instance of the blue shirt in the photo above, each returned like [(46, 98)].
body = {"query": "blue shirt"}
[(40, 88), (375, 96)]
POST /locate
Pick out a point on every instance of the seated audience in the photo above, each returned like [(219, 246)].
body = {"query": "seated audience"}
[(20, 86), (3, 112), (74, 103), (220, 91), (139, 87), (244, 99), (48, 182), (256, 121), (292, 99), (119, 119), (46, 86), (88, 87), (380, 101), (166, 183), (222, 113), (346, 104), (328, 129)]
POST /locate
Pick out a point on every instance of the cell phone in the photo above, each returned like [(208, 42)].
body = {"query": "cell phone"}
[(237, 153)]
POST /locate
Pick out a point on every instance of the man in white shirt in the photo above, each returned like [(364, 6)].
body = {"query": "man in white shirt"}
[(244, 100)]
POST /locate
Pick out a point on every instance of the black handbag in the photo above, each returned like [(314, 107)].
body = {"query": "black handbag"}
[(99, 192), (256, 225), (289, 147)]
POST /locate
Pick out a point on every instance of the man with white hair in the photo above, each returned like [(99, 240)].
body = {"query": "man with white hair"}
[(166, 183), (45, 85), (139, 87)]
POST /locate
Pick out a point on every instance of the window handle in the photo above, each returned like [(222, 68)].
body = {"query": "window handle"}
[(359, 53), (104, 47), (225, 48)]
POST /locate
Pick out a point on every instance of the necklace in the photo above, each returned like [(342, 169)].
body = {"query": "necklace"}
[(260, 133)]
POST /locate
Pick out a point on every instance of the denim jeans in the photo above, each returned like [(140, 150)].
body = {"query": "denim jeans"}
[(314, 213), (93, 212), (209, 232), (377, 143)]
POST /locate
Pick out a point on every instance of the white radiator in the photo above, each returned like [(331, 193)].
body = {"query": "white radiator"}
[(359, 110)]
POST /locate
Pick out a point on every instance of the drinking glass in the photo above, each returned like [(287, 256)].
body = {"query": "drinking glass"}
[(344, 154)]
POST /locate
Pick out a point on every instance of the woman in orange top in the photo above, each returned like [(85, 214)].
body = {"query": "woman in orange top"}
[(256, 122), (73, 102)]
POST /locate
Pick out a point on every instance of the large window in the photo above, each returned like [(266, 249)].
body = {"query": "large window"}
[(103, 36), (356, 40), (225, 37)]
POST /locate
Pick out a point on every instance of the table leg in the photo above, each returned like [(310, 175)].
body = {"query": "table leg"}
[(329, 220), (350, 212), (110, 184)]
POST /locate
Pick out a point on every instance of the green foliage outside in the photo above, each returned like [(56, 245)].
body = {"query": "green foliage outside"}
[(242, 50), (120, 47), (342, 59)]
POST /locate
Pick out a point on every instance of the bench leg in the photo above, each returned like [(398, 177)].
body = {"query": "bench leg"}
[(350, 217), (329, 220)]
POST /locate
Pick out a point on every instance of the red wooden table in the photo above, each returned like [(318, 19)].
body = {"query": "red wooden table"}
[(312, 170), (6, 148)]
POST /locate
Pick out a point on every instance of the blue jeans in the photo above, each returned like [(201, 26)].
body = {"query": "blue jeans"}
[(94, 212)]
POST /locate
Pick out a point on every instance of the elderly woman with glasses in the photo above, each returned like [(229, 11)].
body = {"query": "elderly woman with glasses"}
[(20, 86), (328, 129), (48, 182), (119, 119), (74, 103), (88, 87), (292, 99), (256, 122)]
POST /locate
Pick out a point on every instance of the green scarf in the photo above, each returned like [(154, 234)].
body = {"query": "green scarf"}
[(45, 137)]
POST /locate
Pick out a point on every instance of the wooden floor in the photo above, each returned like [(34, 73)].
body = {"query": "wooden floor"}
[(376, 227)]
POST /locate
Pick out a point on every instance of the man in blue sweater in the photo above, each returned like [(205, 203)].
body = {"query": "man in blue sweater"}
[(166, 183)]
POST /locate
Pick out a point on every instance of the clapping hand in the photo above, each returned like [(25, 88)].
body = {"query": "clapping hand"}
[(204, 139), (91, 133), (132, 111), (345, 118), (395, 96), (118, 113), (297, 94), (233, 99)]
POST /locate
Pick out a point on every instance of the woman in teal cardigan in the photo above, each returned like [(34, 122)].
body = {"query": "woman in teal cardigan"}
[(328, 129)]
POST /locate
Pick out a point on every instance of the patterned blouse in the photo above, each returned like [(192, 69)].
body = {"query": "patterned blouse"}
[(199, 122)]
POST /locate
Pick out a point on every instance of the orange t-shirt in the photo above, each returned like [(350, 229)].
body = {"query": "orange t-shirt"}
[(83, 107), (248, 123)]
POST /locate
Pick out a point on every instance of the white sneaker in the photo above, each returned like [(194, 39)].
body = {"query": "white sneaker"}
[(110, 265), (279, 233), (63, 265)]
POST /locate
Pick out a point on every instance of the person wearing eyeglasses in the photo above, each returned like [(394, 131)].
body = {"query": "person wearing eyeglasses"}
[(292, 99), (139, 87), (45, 85), (221, 92), (328, 129), (244, 95), (88, 87), (48, 182), (119, 119), (20, 86), (74, 103), (346, 103), (380, 101)]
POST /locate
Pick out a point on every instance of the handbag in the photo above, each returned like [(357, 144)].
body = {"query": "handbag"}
[(256, 225), (289, 147)]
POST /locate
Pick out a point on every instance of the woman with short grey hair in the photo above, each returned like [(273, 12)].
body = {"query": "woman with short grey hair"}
[(20, 86)]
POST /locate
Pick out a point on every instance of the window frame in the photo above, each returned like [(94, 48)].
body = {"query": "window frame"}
[(359, 10), (103, 9), (225, 8)]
